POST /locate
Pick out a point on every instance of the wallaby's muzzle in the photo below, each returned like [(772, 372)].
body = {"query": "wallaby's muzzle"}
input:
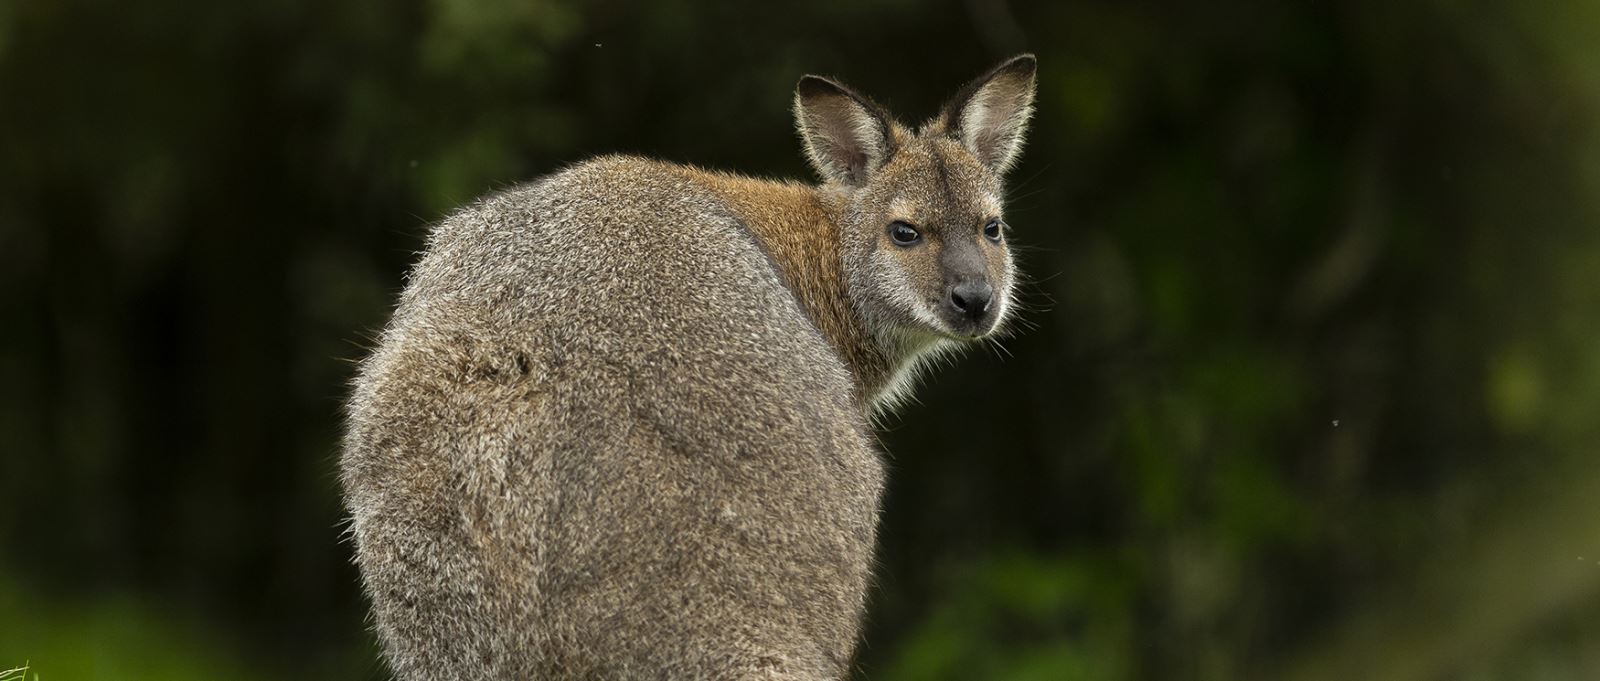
[(970, 308)]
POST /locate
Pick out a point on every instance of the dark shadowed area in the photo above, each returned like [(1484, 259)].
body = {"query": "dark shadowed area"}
[(1311, 389)]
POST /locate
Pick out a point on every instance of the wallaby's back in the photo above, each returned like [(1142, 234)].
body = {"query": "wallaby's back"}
[(601, 439)]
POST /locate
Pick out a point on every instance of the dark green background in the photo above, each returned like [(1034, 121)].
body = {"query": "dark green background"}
[(1312, 393)]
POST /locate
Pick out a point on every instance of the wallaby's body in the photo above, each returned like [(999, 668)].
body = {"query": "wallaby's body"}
[(617, 428)]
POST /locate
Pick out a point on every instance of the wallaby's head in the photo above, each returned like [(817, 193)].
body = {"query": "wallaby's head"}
[(924, 242)]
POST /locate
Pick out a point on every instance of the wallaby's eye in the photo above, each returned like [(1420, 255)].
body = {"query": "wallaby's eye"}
[(903, 234), (992, 230)]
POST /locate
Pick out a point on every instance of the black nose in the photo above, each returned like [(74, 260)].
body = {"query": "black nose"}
[(971, 298)]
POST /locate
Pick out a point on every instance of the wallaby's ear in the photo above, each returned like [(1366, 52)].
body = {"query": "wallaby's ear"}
[(846, 135), (990, 114)]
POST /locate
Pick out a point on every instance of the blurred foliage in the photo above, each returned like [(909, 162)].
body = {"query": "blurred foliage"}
[(123, 637), (1312, 391)]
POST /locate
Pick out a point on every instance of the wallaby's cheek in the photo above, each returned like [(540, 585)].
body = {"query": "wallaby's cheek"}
[(900, 290), (1004, 278), (924, 269)]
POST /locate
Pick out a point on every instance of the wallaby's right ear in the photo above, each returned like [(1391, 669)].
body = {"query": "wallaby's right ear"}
[(846, 136), (990, 114)]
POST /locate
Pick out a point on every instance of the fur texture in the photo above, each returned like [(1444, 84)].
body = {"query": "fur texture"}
[(618, 425)]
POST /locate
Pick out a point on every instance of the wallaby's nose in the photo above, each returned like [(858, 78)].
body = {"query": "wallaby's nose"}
[(971, 298)]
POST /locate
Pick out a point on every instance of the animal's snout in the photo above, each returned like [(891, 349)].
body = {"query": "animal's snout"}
[(971, 298)]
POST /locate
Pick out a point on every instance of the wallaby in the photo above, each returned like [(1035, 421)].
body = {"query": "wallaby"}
[(618, 427)]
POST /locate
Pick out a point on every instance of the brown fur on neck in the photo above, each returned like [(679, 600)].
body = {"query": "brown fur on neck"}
[(797, 226)]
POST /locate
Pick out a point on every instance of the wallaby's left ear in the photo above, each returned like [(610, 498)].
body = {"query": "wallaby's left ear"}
[(991, 113), (847, 137)]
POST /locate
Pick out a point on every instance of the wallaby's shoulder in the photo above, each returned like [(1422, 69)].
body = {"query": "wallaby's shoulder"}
[(593, 192), (624, 176), (655, 199), (629, 184), (618, 170)]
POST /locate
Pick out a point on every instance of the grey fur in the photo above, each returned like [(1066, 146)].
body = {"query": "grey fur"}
[(605, 436)]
